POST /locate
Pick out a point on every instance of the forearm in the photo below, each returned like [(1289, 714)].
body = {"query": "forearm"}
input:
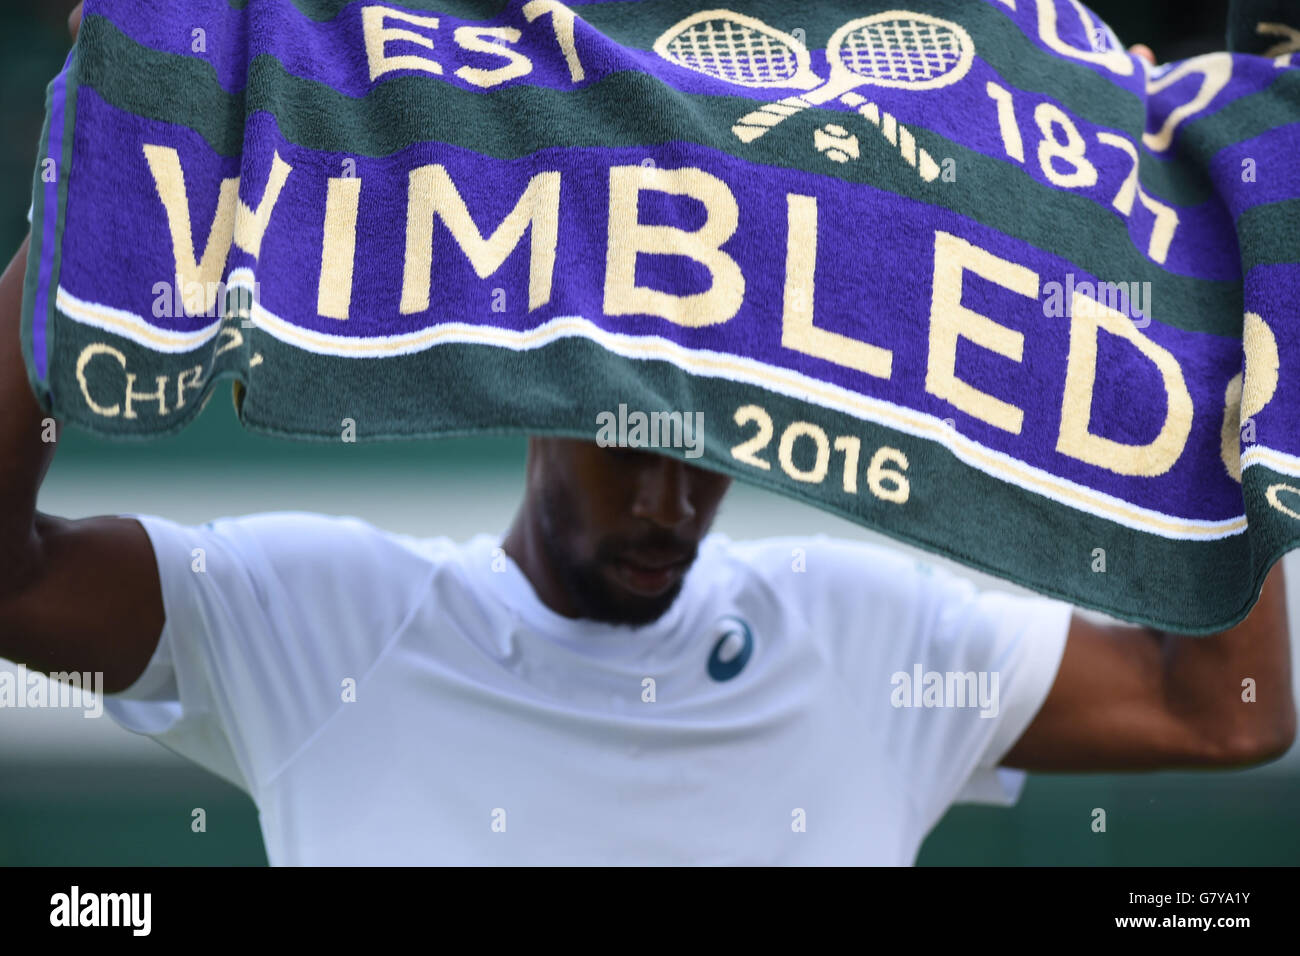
[(25, 445), (1236, 685)]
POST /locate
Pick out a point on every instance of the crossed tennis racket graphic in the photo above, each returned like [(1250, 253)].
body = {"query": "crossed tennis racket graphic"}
[(897, 48)]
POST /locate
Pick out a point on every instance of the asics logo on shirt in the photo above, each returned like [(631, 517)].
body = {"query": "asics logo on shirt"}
[(732, 649)]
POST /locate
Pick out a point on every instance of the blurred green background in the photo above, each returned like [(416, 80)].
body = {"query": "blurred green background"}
[(85, 792)]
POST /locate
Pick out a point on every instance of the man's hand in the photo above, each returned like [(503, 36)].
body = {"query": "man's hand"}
[(1138, 49)]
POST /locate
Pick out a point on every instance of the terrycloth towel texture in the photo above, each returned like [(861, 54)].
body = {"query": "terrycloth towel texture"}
[(966, 273)]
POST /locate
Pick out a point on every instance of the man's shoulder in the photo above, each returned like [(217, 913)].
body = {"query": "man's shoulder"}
[(307, 541), (817, 554), (825, 575)]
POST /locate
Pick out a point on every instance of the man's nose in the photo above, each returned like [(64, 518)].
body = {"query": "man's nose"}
[(663, 493)]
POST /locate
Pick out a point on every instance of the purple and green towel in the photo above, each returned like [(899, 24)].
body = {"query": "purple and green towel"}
[(967, 273)]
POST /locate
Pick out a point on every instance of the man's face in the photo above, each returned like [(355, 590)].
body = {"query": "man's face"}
[(620, 527)]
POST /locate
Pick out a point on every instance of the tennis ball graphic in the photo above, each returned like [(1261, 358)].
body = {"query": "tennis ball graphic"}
[(836, 143)]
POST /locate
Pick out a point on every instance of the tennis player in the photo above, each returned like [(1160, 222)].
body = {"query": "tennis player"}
[(606, 682)]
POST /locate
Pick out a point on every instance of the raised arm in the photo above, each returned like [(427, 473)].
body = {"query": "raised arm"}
[(74, 595), (1131, 698)]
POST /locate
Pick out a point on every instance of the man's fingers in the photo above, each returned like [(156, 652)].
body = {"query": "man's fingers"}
[(1144, 51), (74, 20)]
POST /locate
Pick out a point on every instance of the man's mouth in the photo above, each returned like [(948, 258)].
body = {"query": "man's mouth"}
[(649, 575)]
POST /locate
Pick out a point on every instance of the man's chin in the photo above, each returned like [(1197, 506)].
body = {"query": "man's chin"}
[(617, 601), (640, 612)]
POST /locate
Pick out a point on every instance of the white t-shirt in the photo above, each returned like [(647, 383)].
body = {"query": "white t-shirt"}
[(387, 699)]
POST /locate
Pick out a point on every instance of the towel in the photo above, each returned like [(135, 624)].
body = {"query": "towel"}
[(966, 273)]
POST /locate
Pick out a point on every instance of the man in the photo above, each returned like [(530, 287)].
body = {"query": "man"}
[(605, 683)]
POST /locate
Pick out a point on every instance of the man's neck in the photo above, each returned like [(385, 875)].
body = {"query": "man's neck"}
[(524, 544)]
